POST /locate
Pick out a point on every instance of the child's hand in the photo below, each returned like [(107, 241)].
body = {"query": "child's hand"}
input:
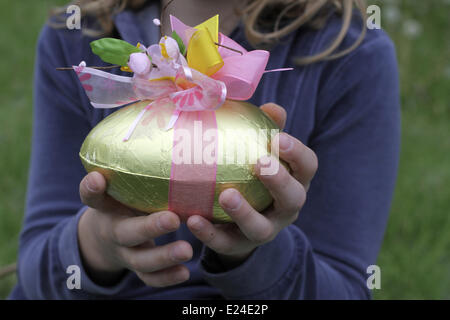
[(235, 242), (113, 238)]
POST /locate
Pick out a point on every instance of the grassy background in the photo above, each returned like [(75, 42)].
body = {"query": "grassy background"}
[(413, 260)]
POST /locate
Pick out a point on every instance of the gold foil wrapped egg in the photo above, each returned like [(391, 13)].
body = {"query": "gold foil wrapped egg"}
[(140, 172)]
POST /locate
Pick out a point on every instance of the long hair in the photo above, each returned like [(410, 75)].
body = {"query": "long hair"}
[(265, 21)]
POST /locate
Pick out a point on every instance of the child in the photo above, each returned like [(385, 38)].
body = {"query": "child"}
[(341, 120)]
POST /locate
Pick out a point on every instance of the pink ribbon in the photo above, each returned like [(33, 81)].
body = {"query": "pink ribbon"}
[(192, 185), (106, 90)]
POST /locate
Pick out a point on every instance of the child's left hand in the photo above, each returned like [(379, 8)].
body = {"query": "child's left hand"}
[(235, 242)]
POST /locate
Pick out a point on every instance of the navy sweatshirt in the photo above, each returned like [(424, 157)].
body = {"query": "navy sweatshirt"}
[(346, 110)]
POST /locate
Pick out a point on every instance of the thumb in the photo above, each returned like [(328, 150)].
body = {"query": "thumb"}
[(276, 113), (92, 191)]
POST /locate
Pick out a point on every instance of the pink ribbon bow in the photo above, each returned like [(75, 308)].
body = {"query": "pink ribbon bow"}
[(237, 80)]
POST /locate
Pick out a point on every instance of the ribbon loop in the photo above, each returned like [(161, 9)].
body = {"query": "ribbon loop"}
[(241, 81)]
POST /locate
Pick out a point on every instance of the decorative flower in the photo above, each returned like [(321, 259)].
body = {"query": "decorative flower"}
[(196, 68), (140, 63)]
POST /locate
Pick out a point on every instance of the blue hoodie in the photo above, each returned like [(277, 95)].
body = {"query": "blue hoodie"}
[(347, 110)]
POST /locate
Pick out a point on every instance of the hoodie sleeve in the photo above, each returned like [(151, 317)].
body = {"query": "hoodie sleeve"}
[(326, 252), (48, 241)]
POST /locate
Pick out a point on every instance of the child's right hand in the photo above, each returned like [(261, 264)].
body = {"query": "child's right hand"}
[(113, 238)]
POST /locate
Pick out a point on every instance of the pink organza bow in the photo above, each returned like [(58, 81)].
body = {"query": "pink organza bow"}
[(242, 69), (106, 90), (170, 77)]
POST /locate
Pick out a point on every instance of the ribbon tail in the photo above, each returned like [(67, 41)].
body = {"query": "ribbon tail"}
[(136, 122), (106, 90), (173, 119)]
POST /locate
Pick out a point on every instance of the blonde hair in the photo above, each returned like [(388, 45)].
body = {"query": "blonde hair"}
[(277, 18)]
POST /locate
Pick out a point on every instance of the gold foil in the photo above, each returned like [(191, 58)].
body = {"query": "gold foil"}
[(138, 170)]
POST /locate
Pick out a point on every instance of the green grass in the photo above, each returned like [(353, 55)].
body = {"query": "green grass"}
[(413, 260), (21, 22)]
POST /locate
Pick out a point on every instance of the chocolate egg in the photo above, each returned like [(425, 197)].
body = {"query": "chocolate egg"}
[(145, 172)]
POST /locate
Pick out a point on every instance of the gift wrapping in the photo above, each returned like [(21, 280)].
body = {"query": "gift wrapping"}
[(139, 171), (184, 137)]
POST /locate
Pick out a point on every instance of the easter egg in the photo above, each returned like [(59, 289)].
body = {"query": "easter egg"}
[(154, 171)]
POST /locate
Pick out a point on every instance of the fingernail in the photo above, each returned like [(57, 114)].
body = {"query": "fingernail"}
[(196, 224), (232, 200), (91, 185), (166, 222), (177, 253), (181, 276), (285, 143), (264, 161)]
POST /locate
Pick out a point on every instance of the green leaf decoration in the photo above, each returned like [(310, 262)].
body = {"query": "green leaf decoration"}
[(180, 43), (114, 51)]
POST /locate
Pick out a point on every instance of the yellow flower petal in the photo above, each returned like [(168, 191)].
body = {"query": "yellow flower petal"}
[(211, 25), (202, 53)]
